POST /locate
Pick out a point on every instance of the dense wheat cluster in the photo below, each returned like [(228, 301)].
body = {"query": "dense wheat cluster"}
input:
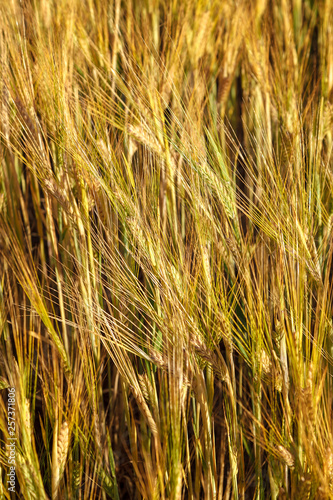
[(166, 243)]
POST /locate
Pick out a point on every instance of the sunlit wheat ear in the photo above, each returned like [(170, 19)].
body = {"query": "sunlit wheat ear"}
[(265, 362), (27, 122), (63, 445), (328, 467), (157, 358), (27, 420), (142, 135), (286, 456), (217, 362), (278, 377), (307, 399), (145, 410), (145, 386)]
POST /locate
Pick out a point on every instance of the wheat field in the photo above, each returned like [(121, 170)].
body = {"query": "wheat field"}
[(166, 246)]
